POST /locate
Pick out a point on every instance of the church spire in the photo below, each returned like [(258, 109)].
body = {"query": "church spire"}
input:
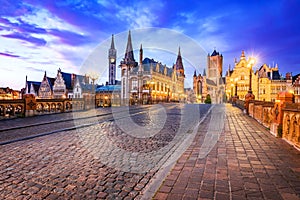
[(179, 66), (195, 74), (112, 46), (129, 51), (141, 59), (141, 54)]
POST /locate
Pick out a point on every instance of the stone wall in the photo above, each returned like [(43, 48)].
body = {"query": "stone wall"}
[(282, 117), (291, 124)]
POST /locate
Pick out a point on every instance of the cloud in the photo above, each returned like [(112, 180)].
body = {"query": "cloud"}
[(70, 38), (27, 38), (9, 55)]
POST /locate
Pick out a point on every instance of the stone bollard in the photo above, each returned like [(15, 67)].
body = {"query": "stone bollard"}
[(249, 96)]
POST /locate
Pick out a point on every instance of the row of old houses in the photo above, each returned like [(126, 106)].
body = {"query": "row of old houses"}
[(64, 85)]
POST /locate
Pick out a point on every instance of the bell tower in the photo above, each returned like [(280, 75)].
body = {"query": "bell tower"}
[(112, 56)]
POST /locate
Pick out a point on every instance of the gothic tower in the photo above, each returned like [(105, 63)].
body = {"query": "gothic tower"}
[(126, 65), (214, 66), (112, 56)]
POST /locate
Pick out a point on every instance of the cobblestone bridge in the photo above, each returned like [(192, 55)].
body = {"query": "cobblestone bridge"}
[(170, 151)]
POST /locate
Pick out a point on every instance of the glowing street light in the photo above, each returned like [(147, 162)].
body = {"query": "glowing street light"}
[(249, 96)]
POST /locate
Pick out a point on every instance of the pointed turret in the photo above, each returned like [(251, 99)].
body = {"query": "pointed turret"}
[(141, 59), (141, 55), (129, 51), (179, 66), (45, 76), (112, 46), (195, 74), (204, 72), (243, 55), (112, 51)]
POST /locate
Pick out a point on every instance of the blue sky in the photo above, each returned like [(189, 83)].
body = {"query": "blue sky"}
[(46, 35)]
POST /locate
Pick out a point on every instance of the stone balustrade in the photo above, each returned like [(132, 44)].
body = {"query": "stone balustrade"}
[(30, 106), (291, 123), (282, 117)]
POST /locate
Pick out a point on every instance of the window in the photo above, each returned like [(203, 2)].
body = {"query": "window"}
[(134, 84)]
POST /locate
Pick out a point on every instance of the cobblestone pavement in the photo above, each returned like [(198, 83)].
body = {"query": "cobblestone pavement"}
[(246, 163), (15, 129), (103, 161), (16, 122)]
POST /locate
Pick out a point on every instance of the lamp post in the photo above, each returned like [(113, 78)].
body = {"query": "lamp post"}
[(94, 76), (249, 96)]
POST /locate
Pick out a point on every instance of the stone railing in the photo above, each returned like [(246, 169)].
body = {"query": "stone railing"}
[(240, 103), (30, 106), (291, 123), (282, 117)]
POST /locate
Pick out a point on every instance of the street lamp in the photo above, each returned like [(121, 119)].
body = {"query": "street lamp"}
[(249, 96), (236, 87), (94, 76)]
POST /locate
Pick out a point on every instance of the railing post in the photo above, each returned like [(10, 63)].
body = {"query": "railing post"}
[(277, 112)]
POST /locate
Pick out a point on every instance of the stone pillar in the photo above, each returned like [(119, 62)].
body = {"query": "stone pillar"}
[(281, 100), (30, 104), (249, 96)]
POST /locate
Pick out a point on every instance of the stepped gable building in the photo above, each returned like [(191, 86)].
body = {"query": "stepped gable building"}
[(211, 82), (150, 81), (65, 85), (265, 83), (32, 87)]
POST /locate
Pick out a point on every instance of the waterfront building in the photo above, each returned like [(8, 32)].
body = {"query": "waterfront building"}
[(64, 85)]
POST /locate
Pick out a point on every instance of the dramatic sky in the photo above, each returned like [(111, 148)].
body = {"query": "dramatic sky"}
[(38, 36)]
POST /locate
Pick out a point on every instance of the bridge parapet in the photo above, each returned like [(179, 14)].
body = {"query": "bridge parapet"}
[(30, 106), (291, 123), (281, 117), (12, 108)]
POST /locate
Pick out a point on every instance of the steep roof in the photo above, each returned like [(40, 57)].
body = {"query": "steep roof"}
[(210, 82), (179, 65), (68, 79), (35, 84), (215, 53), (51, 82), (276, 75), (109, 88), (295, 77), (129, 56), (151, 63)]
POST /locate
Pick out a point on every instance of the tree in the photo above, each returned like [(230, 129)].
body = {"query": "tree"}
[(208, 99)]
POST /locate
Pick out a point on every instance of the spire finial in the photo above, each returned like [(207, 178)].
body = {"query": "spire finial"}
[(112, 46), (243, 54), (141, 58)]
